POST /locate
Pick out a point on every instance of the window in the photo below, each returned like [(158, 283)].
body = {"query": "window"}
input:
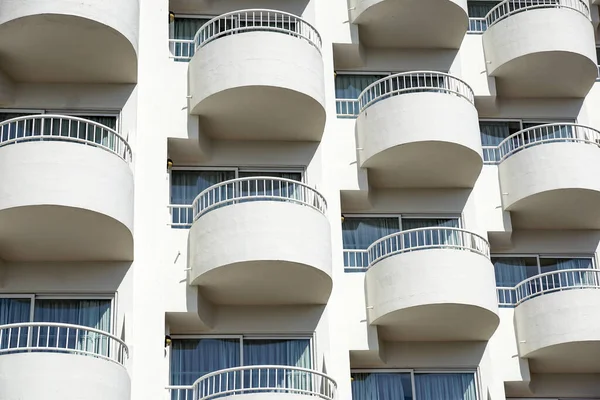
[(109, 119), (493, 132), (192, 358), (479, 9), (512, 270), (91, 313), (348, 88), (184, 29), (360, 232), (186, 185), (399, 386)]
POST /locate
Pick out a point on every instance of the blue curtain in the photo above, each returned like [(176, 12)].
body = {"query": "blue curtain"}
[(430, 238), (351, 86), (445, 386), (510, 271), (381, 386), (566, 278), (250, 188), (186, 28), (360, 233), (493, 133), (13, 311), (479, 9), (193, 358)]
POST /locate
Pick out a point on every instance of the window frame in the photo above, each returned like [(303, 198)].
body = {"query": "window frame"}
[(539, 256), (68, 112), (58, 296)]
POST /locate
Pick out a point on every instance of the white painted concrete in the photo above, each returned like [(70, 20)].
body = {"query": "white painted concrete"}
[(410, 23), (433, 295), (261, 252), (53, 192), (530, 58), (402, 146), (75, 40), (559, 332), (61, 376), (258, 86), (552, 185)]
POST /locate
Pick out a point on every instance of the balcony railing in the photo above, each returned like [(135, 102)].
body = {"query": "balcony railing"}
[(62, 128), (181, 49), (511, 7), (182, 215), (507, 297), (557, 281), (415, 240), (477, 25), (346, 108), (257, 20), (49, 337), (258, 188), (258, 379), (427, 238), (414, 82), (549, 133)]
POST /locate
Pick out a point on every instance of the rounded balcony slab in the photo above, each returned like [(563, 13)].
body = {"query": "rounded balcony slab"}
[(261, 253), (402, 146), (259, 84), (553, 185), (433, 292), (560, 332), (91, 41), (64, 199), (411, 23), (530, 58)]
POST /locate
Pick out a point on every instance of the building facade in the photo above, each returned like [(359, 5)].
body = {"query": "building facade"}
[(335, 199)]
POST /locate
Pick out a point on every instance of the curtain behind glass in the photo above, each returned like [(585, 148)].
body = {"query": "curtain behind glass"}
[(91, 313), (445, 386), (430, 238), (193, 358), (289, 352), (479, 9), (186, 28), (13, 311), (510, 271), (360, 233), (351, 86), (268, 188), (566, 278), (381, 386), (493, 133)]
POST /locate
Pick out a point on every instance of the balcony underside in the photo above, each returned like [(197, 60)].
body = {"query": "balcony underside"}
[(411, 23), (53, 48), (547, 74), (580, 357), (425, 165)]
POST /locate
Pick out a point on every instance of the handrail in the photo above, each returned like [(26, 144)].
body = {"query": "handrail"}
[(261, 378), (547, 133), (255, 188), (181, 49), (411, 82), (356, 259), (510, 7), (427, 238), (44, 127), (257, 20), (62, 338), (556, 281)]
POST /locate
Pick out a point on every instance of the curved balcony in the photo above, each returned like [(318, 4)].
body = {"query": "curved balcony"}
[(261, 241), (66, 192), (421, 24), (432, 284), (268, 381), (419, 130), (62, 360), (530, 57), (556, 321), (258, 75), (74, 41), (548, 177)]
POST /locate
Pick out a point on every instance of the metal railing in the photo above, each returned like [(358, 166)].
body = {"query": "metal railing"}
[(61, 338), (414, 82), (182, 215), (490, 155), (548, 133), (257, 20), (259, 188), (477, 25), (181, 49), (258, 379), (346, 108), (356, 260), (427, 238), (511, 7), (507, 297), (557, 281), (63, 128)]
